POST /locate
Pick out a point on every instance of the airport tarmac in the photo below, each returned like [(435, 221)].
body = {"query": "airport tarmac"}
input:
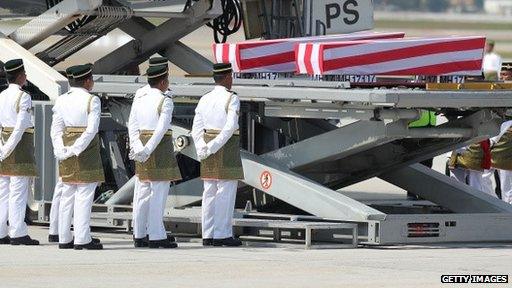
[(191, 265)]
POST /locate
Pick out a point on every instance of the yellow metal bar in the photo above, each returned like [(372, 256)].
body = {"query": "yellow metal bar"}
[(503, 86), (443, 86), (484, 86), (477, 86)]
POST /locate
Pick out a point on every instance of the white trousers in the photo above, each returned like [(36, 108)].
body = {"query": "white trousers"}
[(149, 199), (4, 206), (506, 185), (13, 204), (218, 206), (463, 176), (475, 179), (488, 183), (76, 203), (139, 207), (54, 210)]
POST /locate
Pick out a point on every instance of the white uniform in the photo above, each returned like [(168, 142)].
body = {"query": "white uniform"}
[(492, 63), (149, 196), (506, 185), (142, 232), (76, 109), (505, 175), (473, 178), (219, 195), (14, 189), (135, 214)]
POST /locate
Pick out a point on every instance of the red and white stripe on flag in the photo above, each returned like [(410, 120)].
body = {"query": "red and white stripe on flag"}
[(279, 55), (417, 56)]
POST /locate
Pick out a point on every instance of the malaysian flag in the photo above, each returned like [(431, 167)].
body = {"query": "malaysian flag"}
[(278, 56), (433, 56)]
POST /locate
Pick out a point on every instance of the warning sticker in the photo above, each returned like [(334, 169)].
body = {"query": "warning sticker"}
[(266, 180)]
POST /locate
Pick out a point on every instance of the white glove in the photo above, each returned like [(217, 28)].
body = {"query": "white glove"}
[(131, 155), (203, 153), (63, 154), (139, 157), (59, 154), (143, 157)]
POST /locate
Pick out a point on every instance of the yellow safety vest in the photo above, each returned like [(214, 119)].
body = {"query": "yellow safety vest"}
[(428, 118)]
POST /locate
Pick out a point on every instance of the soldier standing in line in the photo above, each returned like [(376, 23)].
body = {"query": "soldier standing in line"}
[(17, 161), (468, 165), (53, 231), (156, 166), (141, 231), (217, 142), (76, 118), (502, 159)]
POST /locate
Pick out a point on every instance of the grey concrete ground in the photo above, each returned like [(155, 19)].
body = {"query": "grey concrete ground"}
[(120, 265)]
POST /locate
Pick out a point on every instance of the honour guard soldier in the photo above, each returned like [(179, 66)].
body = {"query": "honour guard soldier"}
[(17, 161), (502, 159), (217, 142), (151, 147), (142, 241), (468, 165), (53, 236), (76, 118)]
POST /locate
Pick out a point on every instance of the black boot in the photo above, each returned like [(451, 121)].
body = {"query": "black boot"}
[(53, 238), (141, 242), (144, 242), (208, 242), (94, 240), (89, 246), (66, 245), (25, 240), (164, 243), (229, 242), (5, 241)]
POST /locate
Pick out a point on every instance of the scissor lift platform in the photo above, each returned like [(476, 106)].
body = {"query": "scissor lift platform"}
[(323, 157), (307, 173)]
